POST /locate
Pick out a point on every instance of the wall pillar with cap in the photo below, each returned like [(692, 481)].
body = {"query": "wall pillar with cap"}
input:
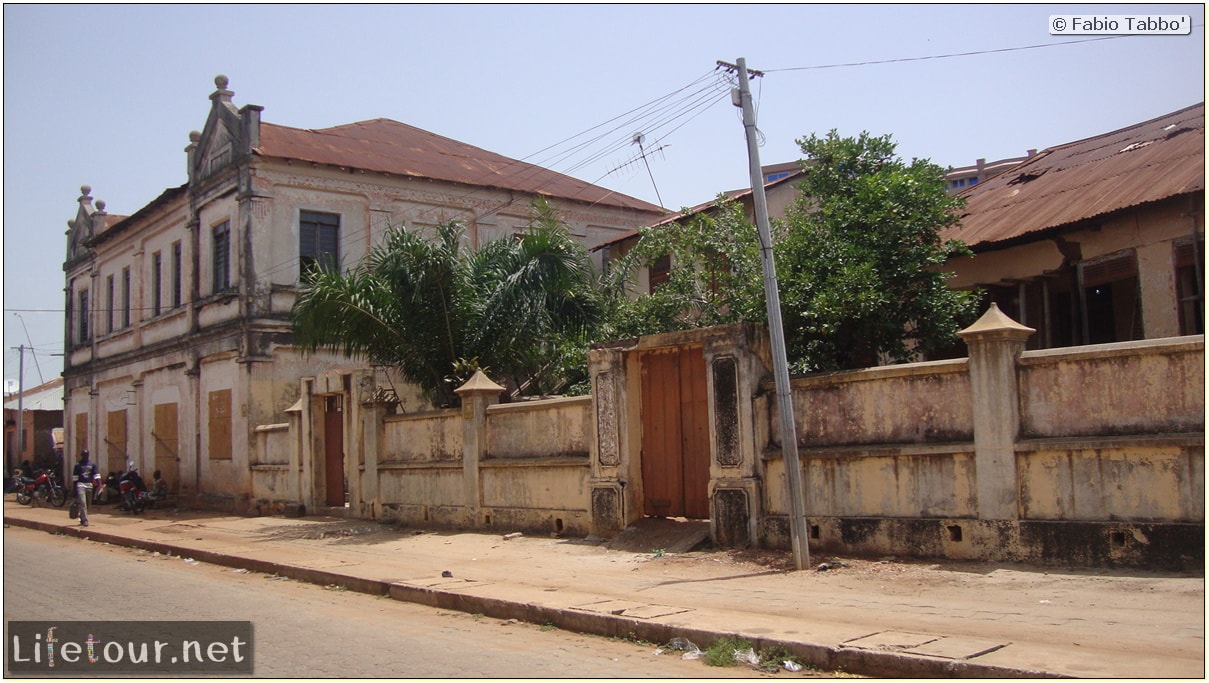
[(995, 343), (477, 394)]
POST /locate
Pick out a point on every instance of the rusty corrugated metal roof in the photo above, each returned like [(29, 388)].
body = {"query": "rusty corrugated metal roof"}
[(1063, 185), (115, 224), (388, 146)]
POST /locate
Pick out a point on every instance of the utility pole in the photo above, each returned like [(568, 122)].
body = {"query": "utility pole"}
[(21, 407), (789, 432)]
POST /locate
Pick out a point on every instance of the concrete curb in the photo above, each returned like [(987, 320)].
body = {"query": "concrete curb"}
[(824, 657)]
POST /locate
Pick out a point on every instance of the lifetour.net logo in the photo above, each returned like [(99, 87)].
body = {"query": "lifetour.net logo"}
[(168, 648)]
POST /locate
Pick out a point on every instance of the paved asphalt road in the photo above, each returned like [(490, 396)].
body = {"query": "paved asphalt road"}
[(303, 630)]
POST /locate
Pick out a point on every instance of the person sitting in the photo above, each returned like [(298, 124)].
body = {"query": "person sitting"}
[(159, 489), (110, 490), (132, 476)]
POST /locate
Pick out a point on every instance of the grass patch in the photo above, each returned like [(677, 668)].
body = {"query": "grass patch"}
[(722, 651), (772, 656), (547, 627), (632, 637)]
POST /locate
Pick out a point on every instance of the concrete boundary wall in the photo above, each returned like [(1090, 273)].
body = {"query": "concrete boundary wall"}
[(517, 467), (1085, 456)]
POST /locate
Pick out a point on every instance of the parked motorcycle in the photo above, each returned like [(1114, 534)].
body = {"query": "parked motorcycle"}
[(44, 484), (134, 492)]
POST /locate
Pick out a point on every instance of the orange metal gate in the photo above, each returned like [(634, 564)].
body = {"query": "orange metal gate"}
[(675, 433)]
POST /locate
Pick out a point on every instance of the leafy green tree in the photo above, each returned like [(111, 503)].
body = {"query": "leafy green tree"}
[(520, 309), (859, 265), (858, 262), (715, 275)]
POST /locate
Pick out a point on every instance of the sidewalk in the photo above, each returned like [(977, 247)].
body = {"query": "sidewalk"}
[(883, 618)]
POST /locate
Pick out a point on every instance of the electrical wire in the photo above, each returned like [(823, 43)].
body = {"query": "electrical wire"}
[(950, 55)]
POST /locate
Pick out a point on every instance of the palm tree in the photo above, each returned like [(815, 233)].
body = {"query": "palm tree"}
[(433, 310)]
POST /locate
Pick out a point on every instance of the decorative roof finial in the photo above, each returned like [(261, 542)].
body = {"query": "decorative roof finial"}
[(85, 190), (101, 206), (221, 94)]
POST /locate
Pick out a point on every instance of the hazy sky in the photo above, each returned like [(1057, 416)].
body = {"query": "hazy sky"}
[(106, 95)]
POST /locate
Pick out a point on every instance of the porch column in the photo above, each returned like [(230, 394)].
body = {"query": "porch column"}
[(477, 394), (995, 343)]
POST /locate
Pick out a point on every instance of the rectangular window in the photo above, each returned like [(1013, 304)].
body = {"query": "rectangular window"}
[(319, 242), (176, 275), (157, 272), (109, 301), (661, 270), (1190, 286), (220, 424), (1112, 308), (82, 317), (222, 257), (125, 298)]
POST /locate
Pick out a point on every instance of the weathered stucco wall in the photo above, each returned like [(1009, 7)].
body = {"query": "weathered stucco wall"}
[(1140, 387), (549, 428), (1159, 480), (423, 437), (894, 484), (521, 466), (1105, 457), (868, 406)]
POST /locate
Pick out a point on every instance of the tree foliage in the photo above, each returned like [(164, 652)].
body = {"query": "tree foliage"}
[(522, 308), (715, 275), (860, 262)]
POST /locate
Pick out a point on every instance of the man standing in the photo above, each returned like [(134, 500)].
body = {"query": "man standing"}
[(86, 476)]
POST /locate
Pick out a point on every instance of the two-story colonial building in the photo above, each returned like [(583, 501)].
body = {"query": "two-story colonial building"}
[(177, 329)]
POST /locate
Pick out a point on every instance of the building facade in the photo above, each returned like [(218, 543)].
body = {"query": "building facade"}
[(1096, 241), (36, 413), (178, 338)]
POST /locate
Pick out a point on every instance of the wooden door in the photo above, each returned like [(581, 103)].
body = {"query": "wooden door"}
[(167, 455), (115, 441), (675, 434), (333, 449)]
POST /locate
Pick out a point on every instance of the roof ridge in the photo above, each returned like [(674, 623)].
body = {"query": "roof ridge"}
[(1140, 124), (1023, 167), (463, 162), (393, 122)]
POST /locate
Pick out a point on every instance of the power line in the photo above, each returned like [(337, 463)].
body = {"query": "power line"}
[(31, 349), (950, 55)]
